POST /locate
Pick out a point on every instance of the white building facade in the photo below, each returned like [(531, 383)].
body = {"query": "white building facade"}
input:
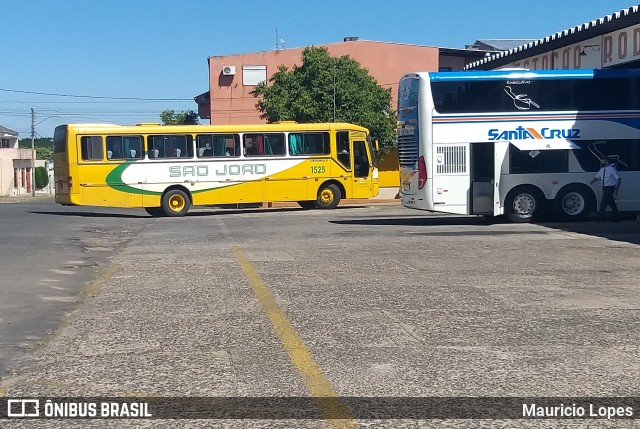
[(15, 165)]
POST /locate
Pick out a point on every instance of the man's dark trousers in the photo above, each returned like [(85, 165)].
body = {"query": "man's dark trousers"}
[(608, 200)]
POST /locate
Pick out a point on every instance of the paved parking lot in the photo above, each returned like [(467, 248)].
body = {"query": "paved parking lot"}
[(362, 301)]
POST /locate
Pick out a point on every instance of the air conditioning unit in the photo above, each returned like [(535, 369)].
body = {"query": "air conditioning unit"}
[(228, 70)]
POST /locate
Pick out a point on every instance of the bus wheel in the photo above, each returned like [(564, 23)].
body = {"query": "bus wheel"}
[(328, 197), (523, 204), (307, 204), (573, 202), (175, 203), (155, 211)]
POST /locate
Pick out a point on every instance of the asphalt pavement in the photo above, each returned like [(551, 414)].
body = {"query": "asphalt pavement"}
[(368, 300)]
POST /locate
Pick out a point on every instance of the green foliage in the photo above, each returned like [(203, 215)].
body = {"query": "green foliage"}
[(170, 117), (42, 145), (44, 153), (306, 94), (42, 178)]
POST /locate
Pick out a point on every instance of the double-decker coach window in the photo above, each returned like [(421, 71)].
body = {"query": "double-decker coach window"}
[(124, 147), (624, 153), (170, 146), (536, 95), (309, 144), (214, 145), (91, 148), (538, 161), (264, 144)]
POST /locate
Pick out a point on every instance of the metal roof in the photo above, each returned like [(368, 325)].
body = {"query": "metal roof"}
[(4, 130), (498, 44), (607, 24)]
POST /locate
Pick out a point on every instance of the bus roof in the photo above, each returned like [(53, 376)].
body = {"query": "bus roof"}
[(234, 128), (531, 74)]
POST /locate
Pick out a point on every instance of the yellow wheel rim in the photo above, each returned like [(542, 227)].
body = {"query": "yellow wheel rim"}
[(176, 202), (326, 196)]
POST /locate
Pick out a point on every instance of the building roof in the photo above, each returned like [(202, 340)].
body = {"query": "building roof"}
[(4, 131), (498, 44), (607, 24)]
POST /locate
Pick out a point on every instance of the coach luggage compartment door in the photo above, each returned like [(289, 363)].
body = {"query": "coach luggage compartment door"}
[(499, 159), (451, 178)]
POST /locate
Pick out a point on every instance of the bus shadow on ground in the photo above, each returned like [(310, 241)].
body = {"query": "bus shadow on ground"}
[(431, 220), (91, 214), (627, 230), (223, 212)]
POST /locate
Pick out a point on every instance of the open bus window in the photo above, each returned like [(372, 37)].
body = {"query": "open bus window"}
[(91, 148)]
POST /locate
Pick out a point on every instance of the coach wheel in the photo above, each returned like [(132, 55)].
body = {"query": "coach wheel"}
[(307, 204), (328, 197), (523, 205), (155, 211), (572, 203), (175, 203)]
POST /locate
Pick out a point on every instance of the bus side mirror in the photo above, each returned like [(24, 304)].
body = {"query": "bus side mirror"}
[(377, 145)]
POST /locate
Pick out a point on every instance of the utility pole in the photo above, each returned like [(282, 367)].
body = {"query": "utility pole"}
[(33, 153), (334, 92)]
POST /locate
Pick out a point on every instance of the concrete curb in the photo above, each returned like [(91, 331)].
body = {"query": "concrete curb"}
[(24, 198)]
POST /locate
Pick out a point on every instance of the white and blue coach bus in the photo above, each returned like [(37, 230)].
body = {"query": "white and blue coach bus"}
[(517, 142)]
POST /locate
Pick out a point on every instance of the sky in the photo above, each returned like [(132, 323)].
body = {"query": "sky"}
[(110, 61)]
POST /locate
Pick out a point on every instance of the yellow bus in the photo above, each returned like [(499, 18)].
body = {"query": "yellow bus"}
[(168, 169)]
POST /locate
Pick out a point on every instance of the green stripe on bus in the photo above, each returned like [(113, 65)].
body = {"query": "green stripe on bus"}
[(115, 182)]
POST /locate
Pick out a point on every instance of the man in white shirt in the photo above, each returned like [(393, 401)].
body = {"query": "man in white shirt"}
[(610, 180)]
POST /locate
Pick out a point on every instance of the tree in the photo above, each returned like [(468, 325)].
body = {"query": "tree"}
[(44, 152), (42, 146), (306, 94), (170, 117), (42, 178)]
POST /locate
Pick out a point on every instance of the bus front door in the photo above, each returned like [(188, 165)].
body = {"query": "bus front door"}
[(362, 181)]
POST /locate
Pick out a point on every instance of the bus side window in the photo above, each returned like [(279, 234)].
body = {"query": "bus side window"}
[(91, 148), (343, 149), (132, 147), (114, 147)]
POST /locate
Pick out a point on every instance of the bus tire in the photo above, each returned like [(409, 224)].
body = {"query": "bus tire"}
[(573, 202), (307, 204), (155, 211), (328, 197), (175, 202), (523, 204)]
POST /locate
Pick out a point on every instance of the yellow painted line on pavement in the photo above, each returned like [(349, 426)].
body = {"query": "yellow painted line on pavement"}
[(301, 358)]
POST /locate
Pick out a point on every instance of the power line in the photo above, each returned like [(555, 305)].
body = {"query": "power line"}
[(96, 97)]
